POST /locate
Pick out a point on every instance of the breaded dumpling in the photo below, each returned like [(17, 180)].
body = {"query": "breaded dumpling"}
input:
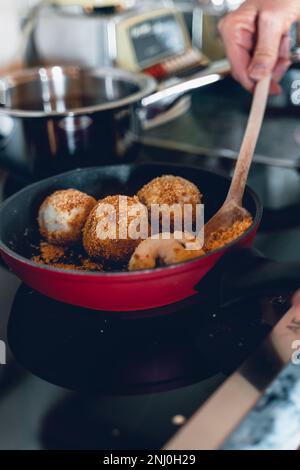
[(106, 233), (62, 216), (170, 190)]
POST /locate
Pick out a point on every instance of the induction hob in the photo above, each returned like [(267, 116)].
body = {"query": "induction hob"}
[(178, 378), (134, 382)]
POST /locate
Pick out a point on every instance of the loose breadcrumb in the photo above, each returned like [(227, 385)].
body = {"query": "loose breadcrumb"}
[(51, 253), (223, 237), (63, 258), (89, 265)]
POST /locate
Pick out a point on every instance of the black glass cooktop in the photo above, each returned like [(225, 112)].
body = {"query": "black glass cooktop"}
[(137, 378), (109, 353), (134, 379)]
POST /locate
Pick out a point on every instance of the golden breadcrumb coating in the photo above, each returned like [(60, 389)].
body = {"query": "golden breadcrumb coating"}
[(62, 216), (64, 258), (170, 190), (223, 237), (114, 249)]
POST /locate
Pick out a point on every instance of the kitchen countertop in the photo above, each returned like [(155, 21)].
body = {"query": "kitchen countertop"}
[(217, 120), (274, 423)]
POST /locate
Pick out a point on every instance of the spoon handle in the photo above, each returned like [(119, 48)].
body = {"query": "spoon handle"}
[(252, 132)]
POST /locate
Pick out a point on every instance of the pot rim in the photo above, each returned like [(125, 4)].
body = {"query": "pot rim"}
[(145, 83)]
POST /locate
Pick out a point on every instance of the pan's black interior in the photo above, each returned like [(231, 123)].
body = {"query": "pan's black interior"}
[(18, 225)]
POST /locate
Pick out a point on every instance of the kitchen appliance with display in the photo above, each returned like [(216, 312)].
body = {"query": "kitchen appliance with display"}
[(135, 36)]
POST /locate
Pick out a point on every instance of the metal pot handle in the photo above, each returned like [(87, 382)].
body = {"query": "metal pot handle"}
[(158, 104), (213, 73)]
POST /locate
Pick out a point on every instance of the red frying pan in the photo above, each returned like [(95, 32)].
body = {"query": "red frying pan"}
[(113, 291)]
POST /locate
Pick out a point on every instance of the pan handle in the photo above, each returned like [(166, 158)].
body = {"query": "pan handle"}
[(215, 72), (248, 273), (163, 100), (211, 74)]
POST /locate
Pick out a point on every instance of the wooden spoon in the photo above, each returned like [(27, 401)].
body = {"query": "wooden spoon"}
[(232, 209)]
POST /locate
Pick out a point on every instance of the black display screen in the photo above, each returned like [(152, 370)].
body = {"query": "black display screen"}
[(157, 39)]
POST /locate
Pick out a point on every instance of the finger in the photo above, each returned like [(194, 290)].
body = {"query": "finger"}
[(244, 39), (275, 89), (285, 47), (296, 299), (238, 36), (240, 59), (266, 52), (238, 54), (280, 69), (296, 304)]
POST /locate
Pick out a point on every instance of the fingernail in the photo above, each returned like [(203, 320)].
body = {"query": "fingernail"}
[(257, 71)]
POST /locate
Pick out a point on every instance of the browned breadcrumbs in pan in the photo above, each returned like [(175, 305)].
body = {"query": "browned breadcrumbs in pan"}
[(64, 266), (61, 258), (89, 265), (50, 253), (81, 253), (67, 259), (224, 237)]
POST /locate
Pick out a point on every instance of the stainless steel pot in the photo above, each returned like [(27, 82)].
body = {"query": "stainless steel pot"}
[(57, 118)]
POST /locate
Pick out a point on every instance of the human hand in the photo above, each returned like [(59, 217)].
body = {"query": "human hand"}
[(257, 42)]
